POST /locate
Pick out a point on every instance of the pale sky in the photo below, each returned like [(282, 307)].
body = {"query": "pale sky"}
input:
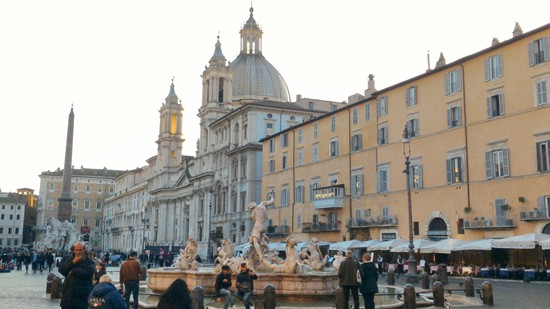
[(114, 60)]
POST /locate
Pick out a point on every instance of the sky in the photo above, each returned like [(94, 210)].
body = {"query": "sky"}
[(114, 60)]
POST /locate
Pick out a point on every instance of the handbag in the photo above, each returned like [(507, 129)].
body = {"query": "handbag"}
[(244, 287)]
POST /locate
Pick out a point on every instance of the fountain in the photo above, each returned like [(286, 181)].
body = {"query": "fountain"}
[(59, 236)]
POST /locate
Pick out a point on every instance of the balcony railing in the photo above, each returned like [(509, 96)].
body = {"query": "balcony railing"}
[(309, 227), (489, 223), (329, 197), (373, 221), (533, 215), (275, 230)]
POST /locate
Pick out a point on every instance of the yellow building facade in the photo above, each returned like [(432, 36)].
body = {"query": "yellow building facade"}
[(479, 133)]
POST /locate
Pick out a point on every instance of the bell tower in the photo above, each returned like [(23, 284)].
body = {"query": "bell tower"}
[(170, 139)]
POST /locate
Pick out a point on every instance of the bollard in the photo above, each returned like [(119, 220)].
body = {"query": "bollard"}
[(55, 288), (435, 278), (487, 291), (143, 275), (339, 298), (49, 283), (197, 295), (391, 277), (442, 272), (425, 279), (269, 297), (439, 294), (410, 296), (469, 286)]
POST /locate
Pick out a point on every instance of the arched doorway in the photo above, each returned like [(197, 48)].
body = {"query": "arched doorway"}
[(437, 229)]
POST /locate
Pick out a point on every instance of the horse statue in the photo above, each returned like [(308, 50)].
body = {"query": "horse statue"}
[(311, 255), (292, 264)]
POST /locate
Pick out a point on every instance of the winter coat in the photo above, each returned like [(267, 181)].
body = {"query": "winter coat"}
[(106, 293), (369, 278), (78, 283), (348, 272), (222, 285)]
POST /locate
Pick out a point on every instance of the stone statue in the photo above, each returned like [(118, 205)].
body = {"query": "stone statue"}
[(59, 235), (186, 258), (311, 255), (338, 259), (258, 237), (225, 253), (292, 264)]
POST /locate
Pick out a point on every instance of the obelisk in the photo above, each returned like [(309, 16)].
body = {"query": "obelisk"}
[(64, 210)]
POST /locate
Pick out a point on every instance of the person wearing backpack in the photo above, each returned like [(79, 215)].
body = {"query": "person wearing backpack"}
[(106, 296)]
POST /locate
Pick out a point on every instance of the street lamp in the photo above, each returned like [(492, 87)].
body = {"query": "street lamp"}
[(209, 257), (412, 276)]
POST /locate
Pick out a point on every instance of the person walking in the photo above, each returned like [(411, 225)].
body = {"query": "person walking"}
[(245, 284), (380, 261), (27, 260), (369, 280), (130, 272), (161, 257), (176, 296), (105, 295), (400, 265), (347, 273), (50, 260), (223, 283), (100, 270), (78, 273)]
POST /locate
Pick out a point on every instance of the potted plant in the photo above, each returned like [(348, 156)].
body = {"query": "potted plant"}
[(521, 199)]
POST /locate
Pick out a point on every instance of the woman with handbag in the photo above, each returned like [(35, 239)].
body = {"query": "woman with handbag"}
[(369, 281)]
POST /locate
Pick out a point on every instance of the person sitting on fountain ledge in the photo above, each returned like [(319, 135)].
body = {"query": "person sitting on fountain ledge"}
[(245, 284), (223, 283)]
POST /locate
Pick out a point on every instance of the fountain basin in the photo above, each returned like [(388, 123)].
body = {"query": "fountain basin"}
[(291, 285)]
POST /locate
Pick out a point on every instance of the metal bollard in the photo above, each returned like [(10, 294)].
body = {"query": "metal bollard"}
[(439, 294), (269, 297), (425, 280), (442, 272), (339, 298), (49, 283), (56, 288), (197, 295), (469, 286), (435, 278), (143, 275), (391, 277), (487, 291), (410, 296)]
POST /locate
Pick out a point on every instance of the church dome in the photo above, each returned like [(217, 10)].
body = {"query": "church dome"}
[(254, 78), (257, 79)]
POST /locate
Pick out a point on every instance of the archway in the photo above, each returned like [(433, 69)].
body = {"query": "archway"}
[(437, 229)]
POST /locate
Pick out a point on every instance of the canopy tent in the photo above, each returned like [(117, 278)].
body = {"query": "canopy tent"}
[(386, 245), (343, 245), (476, 245), (365, 244), (444, 246), (418, 244), (304, 244), (545, 244), (527, 241)]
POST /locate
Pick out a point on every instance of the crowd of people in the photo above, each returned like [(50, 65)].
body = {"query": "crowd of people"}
[(17, 258)]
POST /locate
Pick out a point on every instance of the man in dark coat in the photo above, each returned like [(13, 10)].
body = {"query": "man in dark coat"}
[(369, 280), (347, 273), (78, 272), (106, 296), (245, 284)]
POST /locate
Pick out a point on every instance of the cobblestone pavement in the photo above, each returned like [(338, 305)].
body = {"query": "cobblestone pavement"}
[(27, 290)]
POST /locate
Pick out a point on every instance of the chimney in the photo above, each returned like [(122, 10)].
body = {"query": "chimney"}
[(517, 30), (441, 62), (370, 90), (298, 97)]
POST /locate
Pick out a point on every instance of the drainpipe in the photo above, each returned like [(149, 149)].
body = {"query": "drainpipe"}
[(467, 164)]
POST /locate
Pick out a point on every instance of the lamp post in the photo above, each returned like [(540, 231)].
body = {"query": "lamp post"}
[(209, 257), (412, 276)]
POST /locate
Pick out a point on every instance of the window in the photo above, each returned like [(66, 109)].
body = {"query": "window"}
[(541, 92), (367, 112), (85, 222), (354, 115), (333, 148), (493, 67), (9, 230), (75, 203), (285, 161), (356, 142), (269, 125), (18, 217), (99, 189), (454, 119), (271, 166), (495, 105), (538, 51), (315, 130), (543, 156), (382, 106), (314, 185), (284, 196), (497, 163), (333, 107), (310, 105), (51, 186), (415, 176), (453, 82), (1, 230), (454, 170), (87, 205), (97, 222), (410, 96), (300, 136), (357, 183), (383, 180), (98, 205), (412, 127), (333, 124), (88, 188), (284, 140), (300, 158), (75, 188), (271, 145), (299, 194), (382, 135), (315, 153)]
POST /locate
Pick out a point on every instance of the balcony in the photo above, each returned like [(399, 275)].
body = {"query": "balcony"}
[(489, 223), (329, 197), (309, 227), (533, 215), (362, 222), (115, 230), (278, 231)]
